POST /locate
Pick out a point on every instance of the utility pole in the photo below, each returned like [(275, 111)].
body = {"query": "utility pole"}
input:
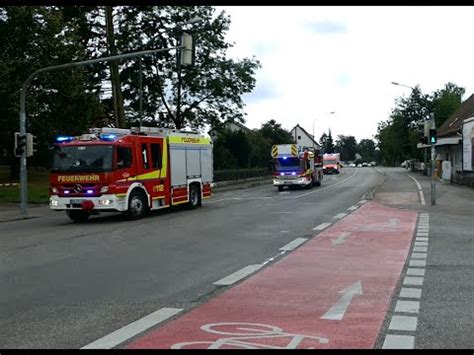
[(114, 72)]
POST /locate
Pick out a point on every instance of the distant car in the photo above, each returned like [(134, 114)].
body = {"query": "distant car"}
[(359, 165), (369, 165), (372, 163), (404, 164), (352, 165), (364, 164)]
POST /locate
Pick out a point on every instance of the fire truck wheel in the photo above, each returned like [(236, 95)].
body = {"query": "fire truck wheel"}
[(280, 188), (78, 216), (194, 197), (137, 205)]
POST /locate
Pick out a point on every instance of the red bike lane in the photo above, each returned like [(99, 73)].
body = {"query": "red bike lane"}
[(332, 292)]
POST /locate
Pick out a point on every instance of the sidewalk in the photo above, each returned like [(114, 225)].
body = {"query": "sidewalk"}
[(446, 307), (11, 212)]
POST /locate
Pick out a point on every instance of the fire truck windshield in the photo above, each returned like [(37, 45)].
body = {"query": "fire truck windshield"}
[(83, 158), (288, 163), (329, 161)]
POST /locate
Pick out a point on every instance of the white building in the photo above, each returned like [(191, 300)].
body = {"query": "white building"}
[(303, 138)]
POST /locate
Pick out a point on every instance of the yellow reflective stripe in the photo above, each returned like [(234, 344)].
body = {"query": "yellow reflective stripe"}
[(147, 176), (294, 150), (157, 197), (180, 202), (164, 160), (274, 151), (189, 140), (121, 195)]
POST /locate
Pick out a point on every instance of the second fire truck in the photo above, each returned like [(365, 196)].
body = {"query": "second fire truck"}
[(296, 166), (130, 171)]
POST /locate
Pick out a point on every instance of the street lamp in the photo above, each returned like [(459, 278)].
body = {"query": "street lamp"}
[(330, 113), (398, 84)]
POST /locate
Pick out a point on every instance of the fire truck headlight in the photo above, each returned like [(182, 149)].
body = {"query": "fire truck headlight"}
[(54, 190), (104, 189), (105, 202), (54, 203)]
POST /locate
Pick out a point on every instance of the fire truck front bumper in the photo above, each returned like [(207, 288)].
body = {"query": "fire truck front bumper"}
[(302, 181), (109, 202)]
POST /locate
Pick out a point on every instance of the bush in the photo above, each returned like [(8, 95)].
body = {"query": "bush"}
[(237, 174)]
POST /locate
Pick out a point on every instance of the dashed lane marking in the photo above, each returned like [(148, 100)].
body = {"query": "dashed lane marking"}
[(238, 275), (340, 215), (410, 292), (132, 329), (405, 323), (407, 306), (294, 244), (399, 342), (321, 226)]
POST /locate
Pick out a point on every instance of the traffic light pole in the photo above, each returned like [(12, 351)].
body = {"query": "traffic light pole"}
[(433, 175), (26, 84)]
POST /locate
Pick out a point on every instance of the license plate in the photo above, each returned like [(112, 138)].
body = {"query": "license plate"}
[(76, 202)]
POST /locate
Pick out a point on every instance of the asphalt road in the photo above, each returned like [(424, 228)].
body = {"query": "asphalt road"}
[(64, 285)]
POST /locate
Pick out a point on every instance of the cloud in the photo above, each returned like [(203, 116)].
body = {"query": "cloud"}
[(264, 48), (326, 27), (264, 90), (344, 80)]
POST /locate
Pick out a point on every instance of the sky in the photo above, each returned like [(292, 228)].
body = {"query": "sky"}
[(319, 59)]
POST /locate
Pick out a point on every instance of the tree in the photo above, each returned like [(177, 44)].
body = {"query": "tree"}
[(346, 146), (327, 142), (397, 137), (275, 133), (206, 94), (366, 148)]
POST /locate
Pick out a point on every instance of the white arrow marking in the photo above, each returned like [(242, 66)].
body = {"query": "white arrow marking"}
[(393, 222), (341, 238), (337, 311)]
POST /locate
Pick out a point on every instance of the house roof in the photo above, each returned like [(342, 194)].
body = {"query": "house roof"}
[(454, 123), (309, 135)]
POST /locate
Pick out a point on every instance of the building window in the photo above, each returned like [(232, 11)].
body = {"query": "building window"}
[(299, 137)]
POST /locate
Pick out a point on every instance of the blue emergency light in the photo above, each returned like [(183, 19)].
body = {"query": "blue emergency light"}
[(108, 137), (60, 139)]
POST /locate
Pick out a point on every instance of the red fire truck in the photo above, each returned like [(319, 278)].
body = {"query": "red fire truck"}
[(129, 170)]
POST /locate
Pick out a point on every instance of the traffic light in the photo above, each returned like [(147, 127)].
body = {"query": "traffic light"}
[(433, 137), (20, 144), (30, 144), (422, 136)]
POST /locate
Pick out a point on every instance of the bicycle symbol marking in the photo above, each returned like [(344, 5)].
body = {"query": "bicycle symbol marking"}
[(248, 336)]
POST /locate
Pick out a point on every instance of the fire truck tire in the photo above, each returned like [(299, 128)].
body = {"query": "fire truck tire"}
[(78, 216), (137, 205), (194, 197), (280, 188)]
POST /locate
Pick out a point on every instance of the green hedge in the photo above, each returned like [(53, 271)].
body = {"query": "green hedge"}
[(236, 174)]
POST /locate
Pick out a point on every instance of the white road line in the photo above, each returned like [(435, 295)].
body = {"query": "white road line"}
[(361, 202), (294, 244), (139, 326), (324, 188), (422, 239), (405, 323), (421, 244), (415, 272), (419, 263), (410, 292), (284, 231), (399, 342), (353, 208), (238, 275), (420, 190), (340, 215), (422, 249), (283, 212), (419, 255), (413, 281), (321, 226), (407, 306)]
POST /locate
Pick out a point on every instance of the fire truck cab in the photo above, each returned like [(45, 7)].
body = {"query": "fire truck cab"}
[(294, 165), (129, 170)]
